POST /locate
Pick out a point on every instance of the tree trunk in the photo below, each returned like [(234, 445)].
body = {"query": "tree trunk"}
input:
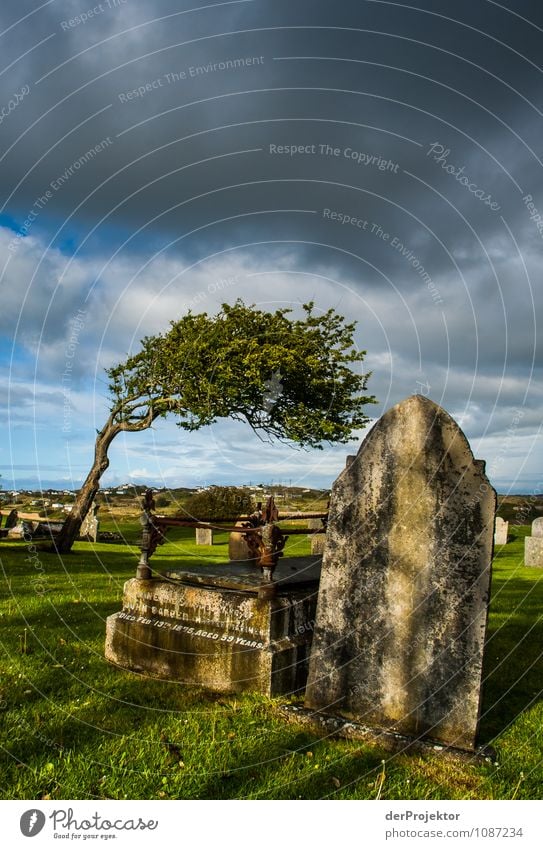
[(72, 524)]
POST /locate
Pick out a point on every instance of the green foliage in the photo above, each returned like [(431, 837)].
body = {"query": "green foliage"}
[(288, 378), (219, 502)]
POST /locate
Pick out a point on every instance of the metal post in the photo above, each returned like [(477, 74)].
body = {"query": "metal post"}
[(143, 571)]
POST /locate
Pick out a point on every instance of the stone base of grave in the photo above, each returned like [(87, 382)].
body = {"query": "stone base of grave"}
[(390, 741), (210, 626), (533, 551)]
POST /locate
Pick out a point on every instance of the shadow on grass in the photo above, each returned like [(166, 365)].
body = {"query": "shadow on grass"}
[(291, 765), (513, 662)]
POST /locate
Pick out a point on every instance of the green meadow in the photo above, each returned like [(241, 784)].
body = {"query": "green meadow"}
[(74, 727)]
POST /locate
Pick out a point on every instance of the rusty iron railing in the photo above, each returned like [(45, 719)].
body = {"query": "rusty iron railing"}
[(265, 539)]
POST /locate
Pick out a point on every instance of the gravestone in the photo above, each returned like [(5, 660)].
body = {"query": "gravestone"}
[(237, 547), (533, 551), (314, 524), (18, 531), (204, 536), (533, 546), (403, 598), (90, 525), (11, 519), (211, 626), (317, 543), (500, 531)]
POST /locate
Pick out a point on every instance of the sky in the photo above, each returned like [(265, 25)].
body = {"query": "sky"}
[(376, 157)]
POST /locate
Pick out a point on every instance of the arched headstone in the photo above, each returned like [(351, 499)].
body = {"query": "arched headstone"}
[(500, 531), (403, 598)]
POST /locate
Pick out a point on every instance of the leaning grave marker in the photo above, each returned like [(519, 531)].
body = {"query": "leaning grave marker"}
[(403, 598)]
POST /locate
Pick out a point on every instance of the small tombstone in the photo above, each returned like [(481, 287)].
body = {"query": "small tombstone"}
[(204, 536), (317, 543), (238, 548), (314, 524), (500, 531), (533, 551), (90, 525), (11, 519), (403, 598), (533, 546)]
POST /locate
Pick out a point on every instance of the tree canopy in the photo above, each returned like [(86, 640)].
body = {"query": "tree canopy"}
[(288, 378)]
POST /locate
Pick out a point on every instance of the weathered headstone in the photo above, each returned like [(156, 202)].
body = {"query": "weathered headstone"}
[(500, 531), (11, 519), (533, 551), (238, 548), (314, 524), (317, 543), (204, 536), (90, 525), (533, 545), (404, 592)]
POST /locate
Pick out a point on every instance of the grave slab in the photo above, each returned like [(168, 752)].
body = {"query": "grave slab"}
[(209, 626)]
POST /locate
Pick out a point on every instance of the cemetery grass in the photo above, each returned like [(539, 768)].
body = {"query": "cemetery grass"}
[(74, 727)]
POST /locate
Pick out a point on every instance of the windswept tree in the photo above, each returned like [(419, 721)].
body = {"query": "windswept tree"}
[(289, 378)]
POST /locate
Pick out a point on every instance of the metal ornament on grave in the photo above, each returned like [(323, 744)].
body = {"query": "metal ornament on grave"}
[(266, 547), (265, 540), (151, 536)]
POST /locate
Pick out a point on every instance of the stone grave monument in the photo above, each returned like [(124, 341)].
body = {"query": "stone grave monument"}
[(317, 543), (90, 525), (237, 546), (533, 545), (403, 598), (317, 539), (500, 531), (230, 627), (204, 536)]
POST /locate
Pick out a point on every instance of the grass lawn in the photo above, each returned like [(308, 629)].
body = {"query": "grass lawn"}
[(71, 726)]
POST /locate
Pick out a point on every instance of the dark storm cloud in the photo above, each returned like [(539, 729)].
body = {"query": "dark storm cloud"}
[(382, 158)]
